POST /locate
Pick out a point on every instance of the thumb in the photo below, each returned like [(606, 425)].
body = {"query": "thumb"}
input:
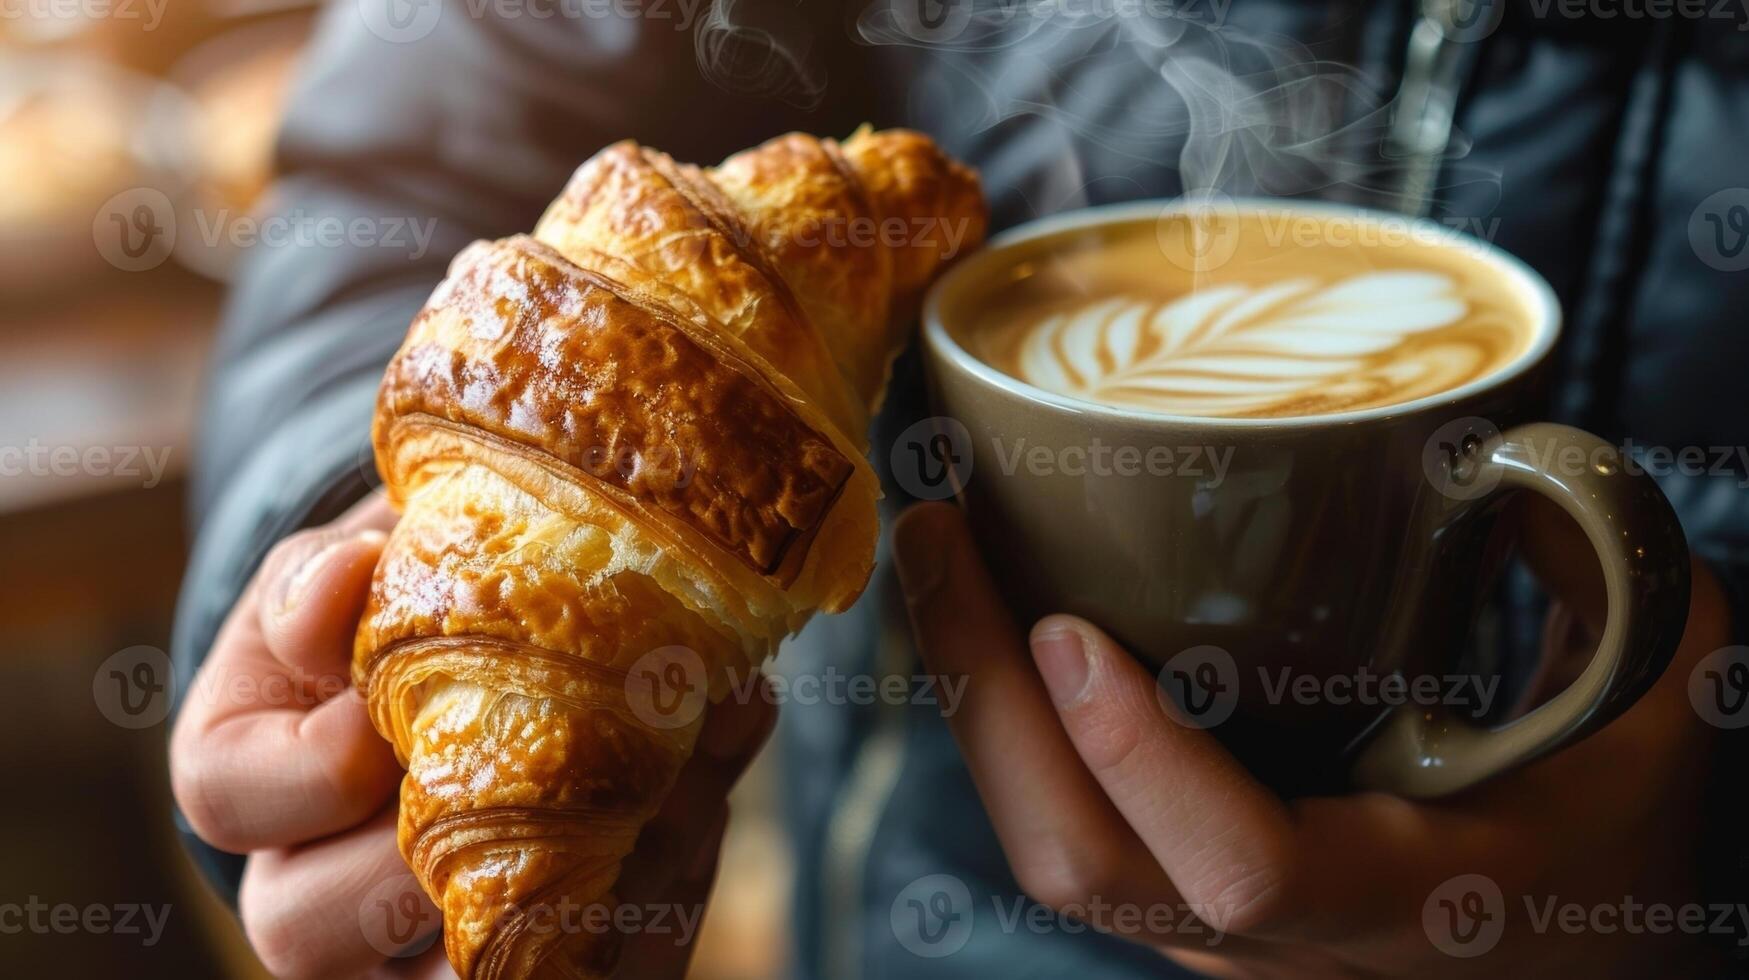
[(312, 592)]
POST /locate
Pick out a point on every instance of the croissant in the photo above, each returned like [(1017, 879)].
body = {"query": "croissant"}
[(639, 433)]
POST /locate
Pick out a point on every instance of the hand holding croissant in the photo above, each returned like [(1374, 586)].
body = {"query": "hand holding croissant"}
[(629, 451)]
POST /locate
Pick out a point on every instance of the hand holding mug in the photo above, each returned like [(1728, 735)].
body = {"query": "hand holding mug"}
[(1145, 812)]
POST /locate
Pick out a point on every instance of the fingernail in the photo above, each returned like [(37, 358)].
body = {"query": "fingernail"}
[(918, 553), (294, 589), (290, 589), (1061, 656)]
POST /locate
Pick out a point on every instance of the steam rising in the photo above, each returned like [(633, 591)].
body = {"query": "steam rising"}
[(757, 49), (1250, 114)]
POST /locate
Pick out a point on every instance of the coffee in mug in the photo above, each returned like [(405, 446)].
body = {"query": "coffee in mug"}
[(1264, 447), (1269, 332)]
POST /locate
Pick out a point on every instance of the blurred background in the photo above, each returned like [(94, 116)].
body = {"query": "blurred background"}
[(114, 114)]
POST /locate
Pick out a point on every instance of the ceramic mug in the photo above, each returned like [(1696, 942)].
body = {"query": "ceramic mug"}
[(1309, 602)]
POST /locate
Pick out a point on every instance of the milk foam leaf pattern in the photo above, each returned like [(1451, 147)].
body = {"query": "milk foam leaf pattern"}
[(1269, 349)]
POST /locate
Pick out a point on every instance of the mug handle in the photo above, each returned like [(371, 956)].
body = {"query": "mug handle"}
[(1422, 753)]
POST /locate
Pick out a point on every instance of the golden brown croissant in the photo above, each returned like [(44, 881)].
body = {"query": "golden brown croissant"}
[(641, 429)]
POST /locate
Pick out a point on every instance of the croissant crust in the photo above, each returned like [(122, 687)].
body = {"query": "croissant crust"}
[(638, 432)]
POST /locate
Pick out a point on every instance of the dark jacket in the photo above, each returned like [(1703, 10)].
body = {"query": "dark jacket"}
[(1593, 149)]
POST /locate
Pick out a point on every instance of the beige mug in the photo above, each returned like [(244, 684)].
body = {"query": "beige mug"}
[(1333, 549)]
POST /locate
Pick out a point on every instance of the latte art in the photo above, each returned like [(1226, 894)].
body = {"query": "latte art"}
[(1289, 347), (1287, 326)]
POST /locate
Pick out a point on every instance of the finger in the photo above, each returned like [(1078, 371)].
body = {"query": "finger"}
[(268, 754), (373, 512), (311, 592), (733, 733), (736, 728), (1225, 840), (663, 954), (336, 907), (279, 777), (1064, 840)]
